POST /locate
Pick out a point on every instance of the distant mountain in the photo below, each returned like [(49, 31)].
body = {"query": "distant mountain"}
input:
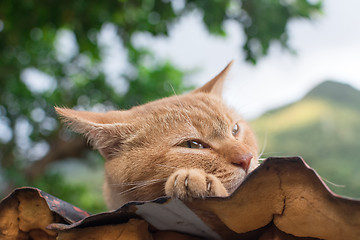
[(338, 92), (323, 128)]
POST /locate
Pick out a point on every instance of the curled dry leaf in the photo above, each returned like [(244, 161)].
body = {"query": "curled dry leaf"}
[(282, 199), (24, 215), (135, 229)]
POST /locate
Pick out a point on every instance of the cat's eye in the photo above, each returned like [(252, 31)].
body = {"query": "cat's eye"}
[(193, 144), (236, 129)]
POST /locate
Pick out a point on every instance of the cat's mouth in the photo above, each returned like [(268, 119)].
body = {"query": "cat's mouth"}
[(236, 182), (233, 187)]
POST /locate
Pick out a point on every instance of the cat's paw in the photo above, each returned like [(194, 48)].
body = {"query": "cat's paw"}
[(187, 184)]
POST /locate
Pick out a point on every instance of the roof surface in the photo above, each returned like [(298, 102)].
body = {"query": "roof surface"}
[(282, 199)]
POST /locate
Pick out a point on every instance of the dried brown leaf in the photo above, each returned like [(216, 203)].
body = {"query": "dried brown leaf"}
[(135, 229)]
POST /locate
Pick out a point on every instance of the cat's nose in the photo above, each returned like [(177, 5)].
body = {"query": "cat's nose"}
[(243, 160)]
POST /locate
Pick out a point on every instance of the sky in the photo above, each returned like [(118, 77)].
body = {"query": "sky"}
[(327, 48)]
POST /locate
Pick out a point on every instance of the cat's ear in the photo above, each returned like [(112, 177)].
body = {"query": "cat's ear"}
[(103, 135), (215, 85)]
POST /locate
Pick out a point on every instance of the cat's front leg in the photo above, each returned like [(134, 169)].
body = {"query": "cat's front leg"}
[(187, 184)]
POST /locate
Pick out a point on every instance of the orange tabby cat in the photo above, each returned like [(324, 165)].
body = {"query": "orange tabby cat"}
[(188, 146)]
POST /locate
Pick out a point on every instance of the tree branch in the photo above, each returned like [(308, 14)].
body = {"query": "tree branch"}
[(59, 150)]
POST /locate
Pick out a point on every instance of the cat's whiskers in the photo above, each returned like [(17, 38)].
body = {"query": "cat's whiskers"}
[(334, 184), (186, 117), (138, 182), (263, 147), (141, 185), (132, 189)]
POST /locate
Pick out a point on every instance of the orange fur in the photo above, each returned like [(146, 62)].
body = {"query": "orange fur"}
[(144, 146)]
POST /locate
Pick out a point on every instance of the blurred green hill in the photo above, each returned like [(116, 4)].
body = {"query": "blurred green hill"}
[(323, 128)]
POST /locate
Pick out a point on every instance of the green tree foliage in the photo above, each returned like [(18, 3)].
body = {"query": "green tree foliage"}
[(30, 30)]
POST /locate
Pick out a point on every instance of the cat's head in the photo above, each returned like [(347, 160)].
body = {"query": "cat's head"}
[(147, 143)]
